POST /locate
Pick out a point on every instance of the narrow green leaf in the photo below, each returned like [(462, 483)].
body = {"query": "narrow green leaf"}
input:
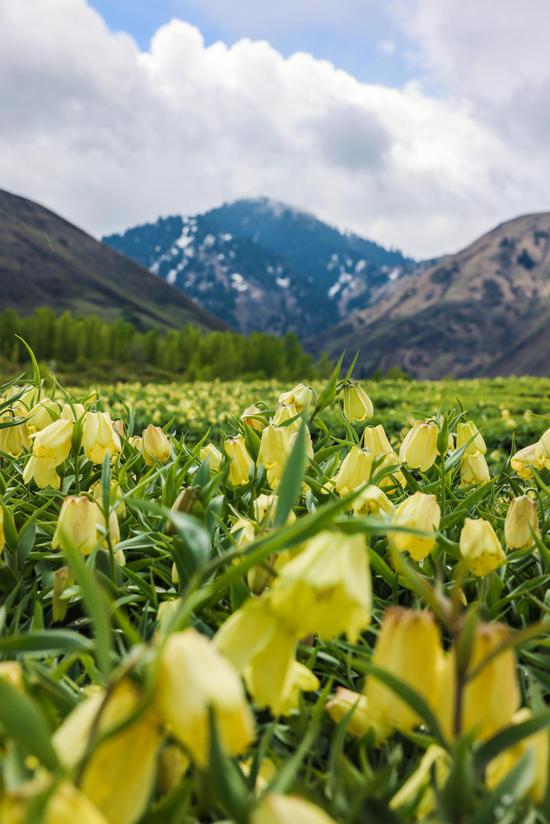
[(24, 722)]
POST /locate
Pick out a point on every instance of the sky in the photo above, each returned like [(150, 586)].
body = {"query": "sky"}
[(417, 123)]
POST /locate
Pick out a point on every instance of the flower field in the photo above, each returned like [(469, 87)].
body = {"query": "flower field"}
[(265, 604)]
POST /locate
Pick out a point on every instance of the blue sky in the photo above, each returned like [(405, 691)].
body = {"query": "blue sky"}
[(360, 36)]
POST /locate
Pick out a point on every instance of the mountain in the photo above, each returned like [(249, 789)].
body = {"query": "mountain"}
[(482, 311), (46, 261), (262, 265)]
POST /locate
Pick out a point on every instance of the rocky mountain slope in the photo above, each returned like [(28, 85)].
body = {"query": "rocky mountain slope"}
[(261, 265), (482, 311), (46, 261)]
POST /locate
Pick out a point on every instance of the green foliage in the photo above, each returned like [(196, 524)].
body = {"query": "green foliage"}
[(84, 348)]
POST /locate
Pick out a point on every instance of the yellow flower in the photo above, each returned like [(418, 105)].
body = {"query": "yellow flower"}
[(43, 471), (53, 443), (14, 439), (250, 418), (480, 547), (116, 499), (355, 470), (287, 809), (155, 446), (521, 523), (76, 525), (118, 776), (492, 696), (357, 404), (98, 437), (409, 647), (114, 528), (419, 447), (213, 455), (344, 702), (41, 415), (66, 805), (209, 681), (473, 469), (326, 589), (538, 745), (261, 647), (376, 440), (418, 511), (286, 412), (275, 446), (372, 501), (173, 764), (302, 679), (466, 431), (536, 455), (240, 462), (244, 531), (418, 786), (301, 397)]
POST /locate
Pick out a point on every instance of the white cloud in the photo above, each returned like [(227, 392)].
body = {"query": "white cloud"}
[(110, 136)]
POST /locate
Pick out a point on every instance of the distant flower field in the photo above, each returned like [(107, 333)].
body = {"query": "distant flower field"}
[(266, 604)]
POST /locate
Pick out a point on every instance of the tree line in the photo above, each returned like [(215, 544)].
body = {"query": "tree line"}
[(88, 346)]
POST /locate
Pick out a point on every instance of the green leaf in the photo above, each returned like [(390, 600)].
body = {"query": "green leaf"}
[(513, 786), (94, 601), (51, 641), (226, 782), (511, 735), (35, 369), (24, 722), (290, 487)]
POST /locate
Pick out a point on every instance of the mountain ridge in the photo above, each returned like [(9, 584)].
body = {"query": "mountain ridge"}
[(47, 261), (480, 311), (264, 265)]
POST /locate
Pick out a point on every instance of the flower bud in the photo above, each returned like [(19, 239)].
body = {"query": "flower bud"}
[(468, 431), (250, 418), (11, 672), (265, 509), (538, 745), (240, 462), (13, 439), (355, 470), (116, 500), (172, 766), (76, 525), (62, 579), (261, 647), (418, 511), (357, 404), (284, 809), (98, 437), (491, 697), (409, 647), (376, 440), (53, 443), (521, 523), (155, 445), (40, 416), (136, 442), (128, 757), (275, 446), (301, 397), (210, 682), (286, 412), (372, 501), (473, 469), (480, 547), (326, 589), (213, 455), (244, 532), (419, 447), (344, 702)]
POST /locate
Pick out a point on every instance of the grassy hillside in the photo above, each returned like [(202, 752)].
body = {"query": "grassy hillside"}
[(46, 261)]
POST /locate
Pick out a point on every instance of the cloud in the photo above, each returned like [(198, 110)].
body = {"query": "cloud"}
[(110, 136)]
